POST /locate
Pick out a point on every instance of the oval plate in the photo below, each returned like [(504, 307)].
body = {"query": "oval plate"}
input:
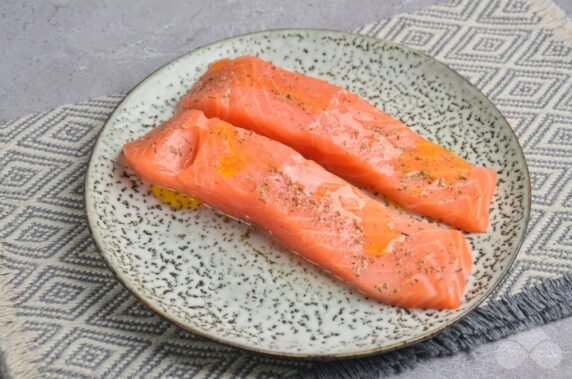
[(215, 277)]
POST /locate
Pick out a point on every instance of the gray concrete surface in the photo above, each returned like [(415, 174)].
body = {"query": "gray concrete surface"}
[(62, 51)]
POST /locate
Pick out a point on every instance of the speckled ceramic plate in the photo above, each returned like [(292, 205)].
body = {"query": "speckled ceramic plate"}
[(209, 275)]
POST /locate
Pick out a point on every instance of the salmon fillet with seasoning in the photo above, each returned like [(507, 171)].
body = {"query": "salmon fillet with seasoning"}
[(349, 137), (386, 255)]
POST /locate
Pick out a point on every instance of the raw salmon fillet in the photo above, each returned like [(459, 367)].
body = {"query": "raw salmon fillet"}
[(347, 136), (386, 255)]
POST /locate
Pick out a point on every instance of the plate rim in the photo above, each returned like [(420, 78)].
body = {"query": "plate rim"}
[(303, 356)]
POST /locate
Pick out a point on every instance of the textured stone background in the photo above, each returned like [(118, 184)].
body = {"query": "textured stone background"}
[(62, 51)]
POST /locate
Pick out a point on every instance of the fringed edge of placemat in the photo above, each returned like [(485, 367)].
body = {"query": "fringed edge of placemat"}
[(555, 18), (552, 16), (16, 359), (499, 319)]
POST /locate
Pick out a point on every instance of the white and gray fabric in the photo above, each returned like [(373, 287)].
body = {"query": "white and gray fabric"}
[(63, 314)]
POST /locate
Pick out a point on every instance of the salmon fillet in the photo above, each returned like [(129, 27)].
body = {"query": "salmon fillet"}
[(349, 137), (386, 255)]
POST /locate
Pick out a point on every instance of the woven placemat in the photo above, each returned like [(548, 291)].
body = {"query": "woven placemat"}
[(63, 314)]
